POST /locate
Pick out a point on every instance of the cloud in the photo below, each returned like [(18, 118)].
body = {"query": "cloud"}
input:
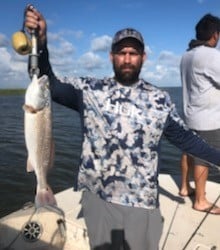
[(90, 61), (162, 71), (68, 60), (169, 58), (76, 34), (102, 43), (64, 48), (4, 42), (13, 69)]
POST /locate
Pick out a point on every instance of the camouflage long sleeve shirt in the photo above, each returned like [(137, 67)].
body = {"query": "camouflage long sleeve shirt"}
[(122, 129)]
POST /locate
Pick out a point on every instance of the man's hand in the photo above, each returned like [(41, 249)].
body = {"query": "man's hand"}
[(34, 20)]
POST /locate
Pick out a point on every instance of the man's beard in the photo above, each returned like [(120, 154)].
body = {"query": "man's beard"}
[(129, 77)]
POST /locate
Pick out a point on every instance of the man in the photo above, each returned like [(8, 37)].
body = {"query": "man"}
[(200, 73), (123, 119)]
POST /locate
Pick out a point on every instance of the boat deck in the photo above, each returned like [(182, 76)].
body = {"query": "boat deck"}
[(184, 228)]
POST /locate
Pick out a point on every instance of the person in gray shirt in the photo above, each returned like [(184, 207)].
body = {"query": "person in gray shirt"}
[(200, 75)]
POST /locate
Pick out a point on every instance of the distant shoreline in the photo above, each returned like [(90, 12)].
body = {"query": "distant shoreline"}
[(22, 91), (12, 92)]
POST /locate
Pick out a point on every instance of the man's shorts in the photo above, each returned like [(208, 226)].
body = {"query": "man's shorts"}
[(212, 137), (115, 227)]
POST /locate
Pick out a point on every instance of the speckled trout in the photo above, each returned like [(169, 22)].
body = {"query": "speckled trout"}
[(38, 136)]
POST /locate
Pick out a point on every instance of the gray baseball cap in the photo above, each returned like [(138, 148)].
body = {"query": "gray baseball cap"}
[(127, 33)]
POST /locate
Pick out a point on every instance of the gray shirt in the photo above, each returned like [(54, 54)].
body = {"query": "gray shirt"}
[(200, 75)]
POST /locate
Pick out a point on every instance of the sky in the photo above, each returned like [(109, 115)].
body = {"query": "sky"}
[(80, 35)]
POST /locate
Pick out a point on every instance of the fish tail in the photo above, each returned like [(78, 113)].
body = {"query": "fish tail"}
[(44, 197)]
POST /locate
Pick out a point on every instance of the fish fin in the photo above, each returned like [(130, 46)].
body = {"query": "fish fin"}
[(24, 107), (29, 166), (45, 197)]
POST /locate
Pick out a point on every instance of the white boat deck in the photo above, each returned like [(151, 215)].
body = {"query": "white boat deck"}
[(184, 228)]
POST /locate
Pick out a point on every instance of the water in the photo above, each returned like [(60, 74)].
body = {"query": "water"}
[(17, 186)]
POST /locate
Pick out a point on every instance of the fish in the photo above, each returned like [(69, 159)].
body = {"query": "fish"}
[(39, 137)]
